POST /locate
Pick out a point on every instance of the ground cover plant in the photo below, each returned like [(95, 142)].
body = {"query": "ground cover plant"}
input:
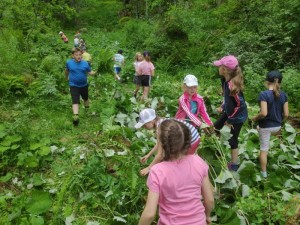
[(54, 173)]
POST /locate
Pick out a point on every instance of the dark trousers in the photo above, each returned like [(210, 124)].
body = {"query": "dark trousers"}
[(234, 131)]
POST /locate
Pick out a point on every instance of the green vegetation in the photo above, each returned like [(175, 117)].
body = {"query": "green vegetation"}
[(54, 173)]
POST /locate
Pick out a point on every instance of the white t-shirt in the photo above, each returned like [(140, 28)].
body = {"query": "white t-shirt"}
[(119, 59)]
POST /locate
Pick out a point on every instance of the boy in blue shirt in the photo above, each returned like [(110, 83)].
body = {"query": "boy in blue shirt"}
[(76, 73)]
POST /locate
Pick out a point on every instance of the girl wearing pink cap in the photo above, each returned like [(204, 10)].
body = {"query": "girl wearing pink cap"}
[(178, 195), (234, 108), (191, 104)]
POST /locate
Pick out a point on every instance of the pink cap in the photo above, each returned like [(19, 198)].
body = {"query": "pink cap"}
[(229, 61)]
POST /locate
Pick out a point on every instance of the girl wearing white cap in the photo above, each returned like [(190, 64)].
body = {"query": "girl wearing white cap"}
[(150, 121), (191, 105)]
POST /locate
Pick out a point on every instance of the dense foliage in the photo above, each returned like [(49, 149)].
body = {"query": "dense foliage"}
[(53, 173)]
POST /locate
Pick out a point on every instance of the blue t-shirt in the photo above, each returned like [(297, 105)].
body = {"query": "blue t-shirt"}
[(275, 109), (78, 72)]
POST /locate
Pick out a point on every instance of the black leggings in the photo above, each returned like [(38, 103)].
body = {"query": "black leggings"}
[(234, 130)]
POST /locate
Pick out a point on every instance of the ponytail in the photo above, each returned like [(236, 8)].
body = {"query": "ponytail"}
[(147, 58), (276, 88), (237, 79)]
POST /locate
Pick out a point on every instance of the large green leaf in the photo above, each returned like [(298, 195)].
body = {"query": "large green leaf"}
[(39, 202), (223, 176)]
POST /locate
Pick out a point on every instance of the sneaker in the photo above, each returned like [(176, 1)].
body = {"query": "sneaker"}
[(233, 166), (75, 120), (264, 174)]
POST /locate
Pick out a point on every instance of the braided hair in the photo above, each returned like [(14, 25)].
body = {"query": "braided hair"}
[(175, 139)]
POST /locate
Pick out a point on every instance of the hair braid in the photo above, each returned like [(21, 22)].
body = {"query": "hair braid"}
[(175, 138)]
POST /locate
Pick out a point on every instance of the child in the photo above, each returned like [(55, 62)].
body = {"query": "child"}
[(137, 60), (149, 121), (76, 41), (273, 109), (146, 71), (234, 108), (63, 37), (82, 44), (87, 56), (178, 183), (191, 104), (76, 73), (119, 62)]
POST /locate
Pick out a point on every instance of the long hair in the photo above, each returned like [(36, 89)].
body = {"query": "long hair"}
[(237, 79), (276, 88), (175, 139), (147, 56), (136, 57)]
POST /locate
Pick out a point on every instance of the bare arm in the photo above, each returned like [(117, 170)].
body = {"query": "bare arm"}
[(208, 197), (149, 212), (157, 159), (144, 158), (67, 74), (263, 111), (286, 110)]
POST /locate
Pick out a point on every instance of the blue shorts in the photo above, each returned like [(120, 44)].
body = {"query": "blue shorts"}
[(117, 70)]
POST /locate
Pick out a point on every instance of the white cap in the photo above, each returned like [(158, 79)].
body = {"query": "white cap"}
[(190, 80), (146, 115), (60, 32)]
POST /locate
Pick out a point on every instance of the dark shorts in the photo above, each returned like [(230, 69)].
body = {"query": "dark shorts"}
[(137, 80), (76, 92), (145, 80), (117, 70), (235, 130)]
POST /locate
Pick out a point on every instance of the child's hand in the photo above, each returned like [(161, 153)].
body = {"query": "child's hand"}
[(144, 158), (219, 109), (145, 171), (229, 125)]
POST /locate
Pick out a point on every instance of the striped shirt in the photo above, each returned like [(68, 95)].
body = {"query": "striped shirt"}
[(193, 130)]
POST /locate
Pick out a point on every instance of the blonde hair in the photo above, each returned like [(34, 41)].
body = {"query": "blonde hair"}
[(276, 88), (136, 57), (175, 138), (237, 79)]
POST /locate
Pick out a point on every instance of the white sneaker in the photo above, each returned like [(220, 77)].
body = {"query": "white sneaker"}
[(264, 174)]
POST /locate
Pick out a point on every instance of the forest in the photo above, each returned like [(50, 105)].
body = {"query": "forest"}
[(52, 172)]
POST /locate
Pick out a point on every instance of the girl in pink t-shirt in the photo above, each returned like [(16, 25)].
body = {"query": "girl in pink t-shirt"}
[(178, 195), (146, 71)]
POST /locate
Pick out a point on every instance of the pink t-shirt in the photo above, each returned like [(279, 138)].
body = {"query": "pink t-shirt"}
[(178, 184), (145, 68)]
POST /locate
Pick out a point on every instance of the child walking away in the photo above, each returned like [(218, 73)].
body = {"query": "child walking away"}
[(146, 71), (119, 62), (76, 73), (273, 109), (63, 37), (178, 183), (138, 58), (234, 108), (150, 121), (191, 104), (76, 41)]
